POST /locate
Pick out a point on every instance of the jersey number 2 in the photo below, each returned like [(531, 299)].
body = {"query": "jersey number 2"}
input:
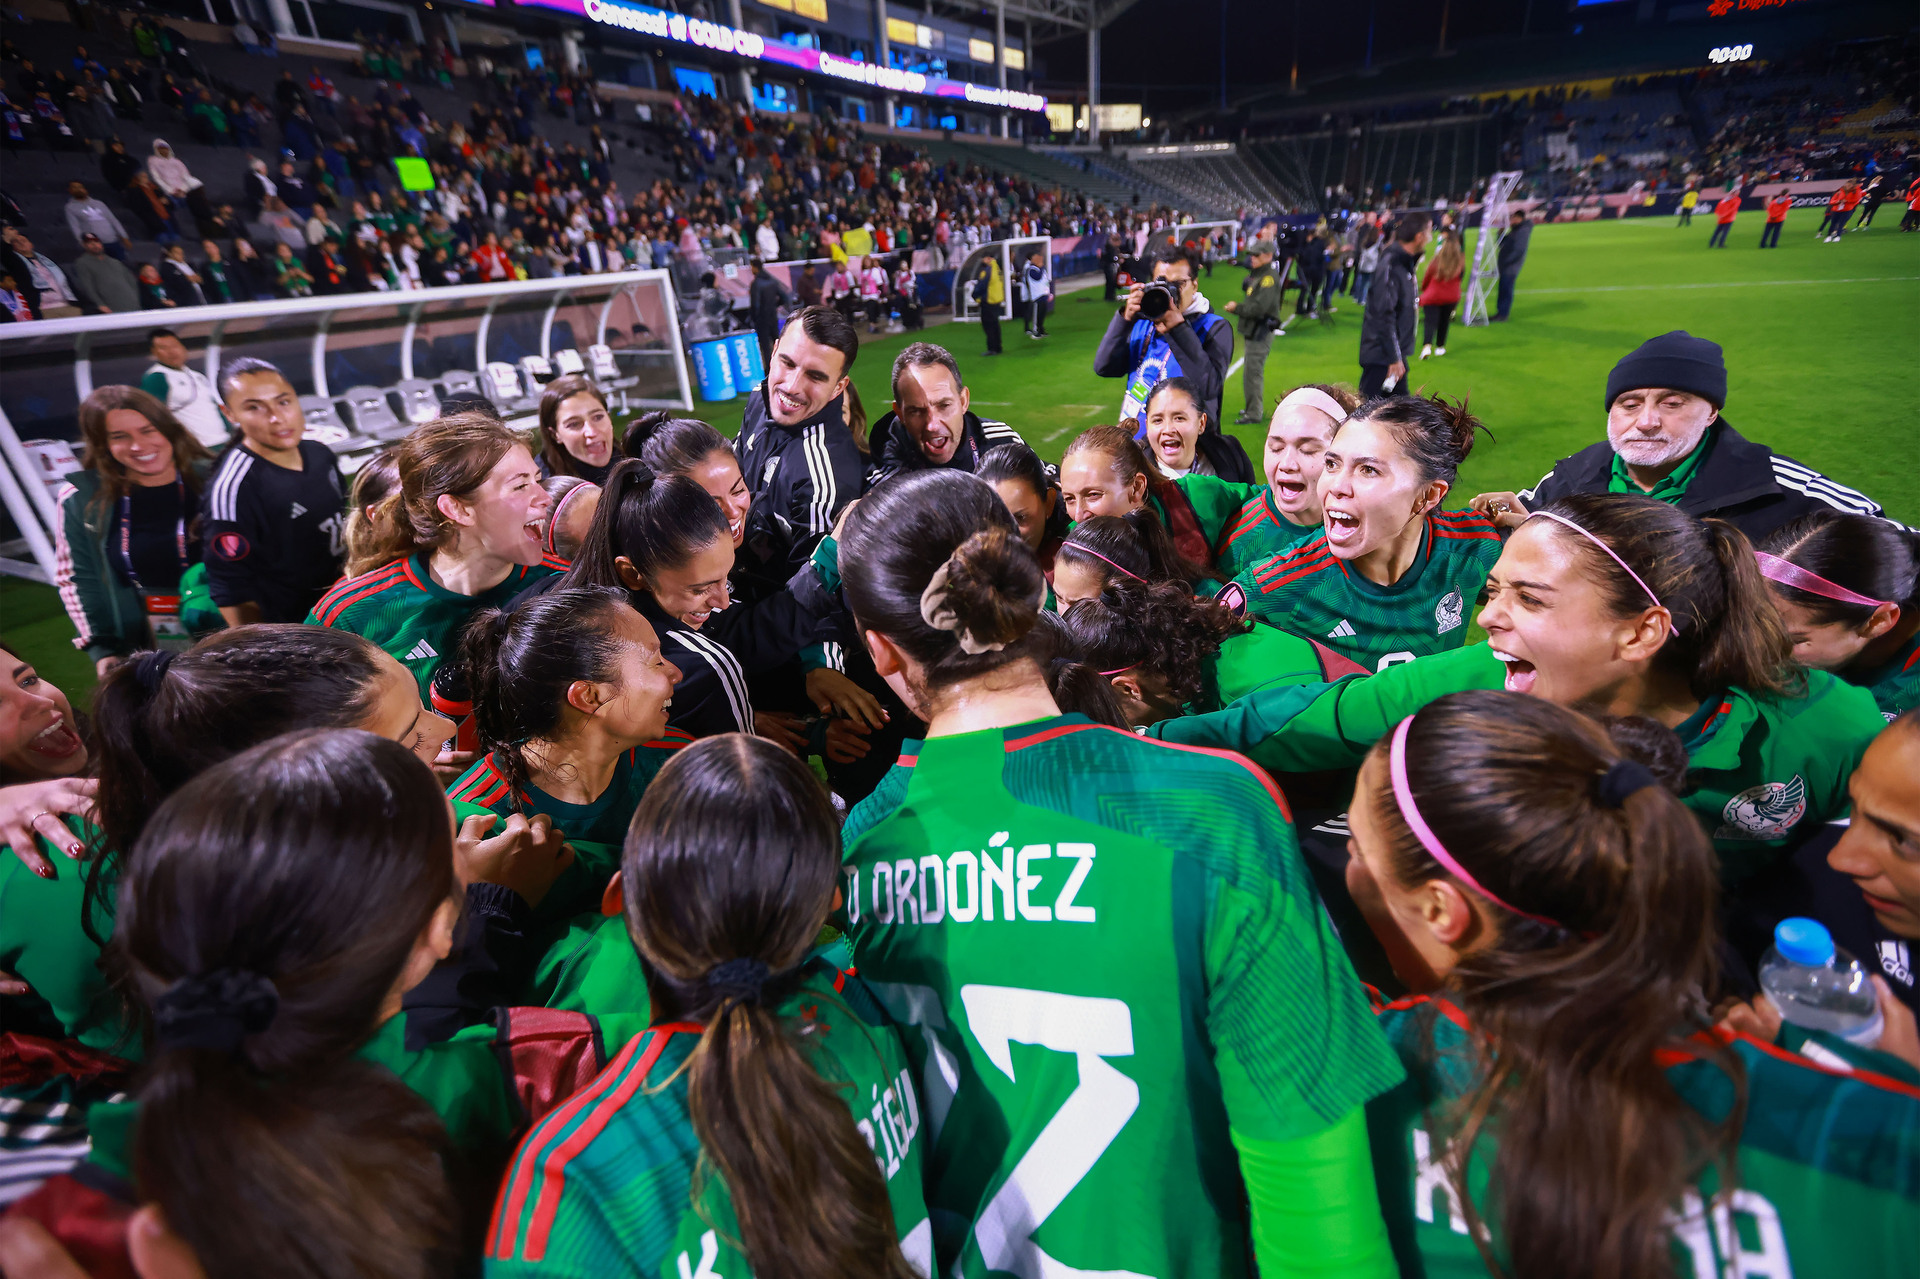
[(1078, 1134)]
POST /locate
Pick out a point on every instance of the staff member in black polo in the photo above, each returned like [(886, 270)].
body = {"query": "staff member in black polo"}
[(1666, 438)]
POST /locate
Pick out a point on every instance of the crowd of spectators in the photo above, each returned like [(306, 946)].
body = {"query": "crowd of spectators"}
[(317, 207)]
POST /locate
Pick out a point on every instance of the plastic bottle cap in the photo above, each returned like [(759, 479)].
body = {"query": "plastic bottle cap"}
[(1804, 941)]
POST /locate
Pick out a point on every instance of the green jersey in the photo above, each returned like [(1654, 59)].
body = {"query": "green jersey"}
[(1259, 532), (591, 968), (605, 1185), (403, 610), (1896, 684), (1108, 956), (596, 830), (43, 943), (1828, 1159), (1767, 771), (1266, 655), (1310, 591)]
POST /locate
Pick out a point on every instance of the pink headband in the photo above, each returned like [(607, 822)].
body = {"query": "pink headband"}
[(1410, 812), (1612, 555), (1082, 546), (1312, 397), (1787, 573)]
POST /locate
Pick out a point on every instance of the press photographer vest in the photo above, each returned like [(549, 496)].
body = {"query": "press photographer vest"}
[(1152, 357)]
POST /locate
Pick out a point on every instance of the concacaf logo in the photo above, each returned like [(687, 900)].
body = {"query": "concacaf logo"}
[(1766, 811)]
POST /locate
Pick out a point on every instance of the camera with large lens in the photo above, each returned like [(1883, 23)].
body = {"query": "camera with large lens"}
[(1160, 297)]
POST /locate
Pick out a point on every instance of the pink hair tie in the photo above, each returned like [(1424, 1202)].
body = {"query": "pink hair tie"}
[(553, 518), (1410, 812), (1787, 573), (1081, 546), (1612, 555)]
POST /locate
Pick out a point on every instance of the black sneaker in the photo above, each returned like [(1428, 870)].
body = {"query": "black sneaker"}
[(1248, 419)]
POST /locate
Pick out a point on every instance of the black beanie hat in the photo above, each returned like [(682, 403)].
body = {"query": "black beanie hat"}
[(1677, 360)]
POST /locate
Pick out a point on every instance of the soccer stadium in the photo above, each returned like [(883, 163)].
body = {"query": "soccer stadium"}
[(822, 638)]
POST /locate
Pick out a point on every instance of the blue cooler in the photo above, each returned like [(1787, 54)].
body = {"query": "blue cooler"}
[(748, 371), (713, 367)]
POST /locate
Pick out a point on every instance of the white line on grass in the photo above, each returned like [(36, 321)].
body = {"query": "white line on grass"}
[(1235, 367), (1729, 284)]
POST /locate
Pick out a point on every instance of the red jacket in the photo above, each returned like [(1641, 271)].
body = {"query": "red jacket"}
[(1728, 206), (1438, 292), (1778, 206)]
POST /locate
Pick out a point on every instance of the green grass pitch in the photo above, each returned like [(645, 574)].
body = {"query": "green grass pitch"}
[(1822, 344)]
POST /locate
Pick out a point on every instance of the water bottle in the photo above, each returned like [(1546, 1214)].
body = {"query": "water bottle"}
[(1819, 986)]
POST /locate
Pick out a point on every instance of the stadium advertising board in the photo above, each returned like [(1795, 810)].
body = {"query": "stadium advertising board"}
[(681, 29)]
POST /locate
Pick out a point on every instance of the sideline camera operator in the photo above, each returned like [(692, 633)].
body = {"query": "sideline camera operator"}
[(1259, 316), (1167, 329)]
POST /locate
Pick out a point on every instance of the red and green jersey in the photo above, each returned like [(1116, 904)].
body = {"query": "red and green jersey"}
[(1828, 1160), (1896, 685), (1767, 771), (403, 610), (1266, 655), (605, 1185), (1259, 532), (596, 830), (44, 942), (1309, 591), (1106, 955)]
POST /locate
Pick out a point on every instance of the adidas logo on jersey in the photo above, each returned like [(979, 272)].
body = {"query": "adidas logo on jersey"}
[(1343, 631), (298, 511), (421, 652)]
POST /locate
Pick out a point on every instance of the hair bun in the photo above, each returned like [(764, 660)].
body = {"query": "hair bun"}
[(988, 592)]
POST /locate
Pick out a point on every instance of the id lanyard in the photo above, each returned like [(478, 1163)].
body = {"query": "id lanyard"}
[(163, 611)]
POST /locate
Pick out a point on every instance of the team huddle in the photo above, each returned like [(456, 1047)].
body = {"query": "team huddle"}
[(871, 850)]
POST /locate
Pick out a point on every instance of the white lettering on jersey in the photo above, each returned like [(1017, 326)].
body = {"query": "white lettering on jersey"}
[(709, 1253), (892, 1123), (940, 1076), (1895, 961), (1717, 1247), (963, 886), (1079, 1132), (333, 527), (1393, 659), (1430, 1179)]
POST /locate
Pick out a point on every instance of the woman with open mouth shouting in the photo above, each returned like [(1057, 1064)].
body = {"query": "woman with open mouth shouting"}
[(1278, 517), (1389, 577), (466, 531), (1625, 605)]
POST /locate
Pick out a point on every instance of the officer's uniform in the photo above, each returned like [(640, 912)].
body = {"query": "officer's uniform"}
[(1257, 312)]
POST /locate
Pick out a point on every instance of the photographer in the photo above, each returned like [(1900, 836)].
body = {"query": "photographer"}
[(1259, 316), (1167, 329), (1393, 305)]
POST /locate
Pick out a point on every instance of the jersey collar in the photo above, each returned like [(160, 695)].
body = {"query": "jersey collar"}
[(1714, 734)]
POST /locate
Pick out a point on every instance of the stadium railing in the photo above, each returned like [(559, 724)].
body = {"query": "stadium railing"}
[(365, 366), (966, 307)]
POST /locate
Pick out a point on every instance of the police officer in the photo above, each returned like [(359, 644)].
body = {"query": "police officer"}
[(1259, 316)]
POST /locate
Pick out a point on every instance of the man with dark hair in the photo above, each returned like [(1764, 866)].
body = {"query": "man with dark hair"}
[(798, 450), (931, 424), (1185, 340), (1393, 304), (1666, 438), (1512, 256), (183, 389)]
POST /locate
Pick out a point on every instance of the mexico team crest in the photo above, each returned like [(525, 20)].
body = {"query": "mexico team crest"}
[(1766, 811), (1450, 612)]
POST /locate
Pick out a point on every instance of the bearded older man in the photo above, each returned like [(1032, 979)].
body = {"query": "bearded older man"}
[(1666, 438)]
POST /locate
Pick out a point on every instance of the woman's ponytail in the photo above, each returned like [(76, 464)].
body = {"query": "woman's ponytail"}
[(652, 520), (1745, 643), (270, 911), (730, 868), (1600, 891)]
